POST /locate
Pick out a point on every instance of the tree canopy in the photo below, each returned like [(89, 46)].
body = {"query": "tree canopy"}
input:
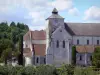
[(96, 57), (9, 38)]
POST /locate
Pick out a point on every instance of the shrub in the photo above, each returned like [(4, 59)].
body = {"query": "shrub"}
[(45, 70), (84, 71), (66, 70), (3, 70)]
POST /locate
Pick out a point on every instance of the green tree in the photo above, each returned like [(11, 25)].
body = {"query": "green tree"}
[(74, 55), (20, 58), (96, 57), (3, 26), (12, 24), (5, 49)]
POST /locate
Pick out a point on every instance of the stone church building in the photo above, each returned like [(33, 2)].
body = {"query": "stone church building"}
[(53, 45)]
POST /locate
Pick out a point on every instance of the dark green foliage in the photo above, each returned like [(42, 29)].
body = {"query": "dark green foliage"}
[(29, 70), (96, 57), (74, 55), (45, 70), (12, 24), (20, 58), (66, 70), (84, 71), (9, 38)]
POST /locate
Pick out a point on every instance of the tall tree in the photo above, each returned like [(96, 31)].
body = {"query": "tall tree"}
[(20, 58), (12, 24), (96, 57), (74, 55)]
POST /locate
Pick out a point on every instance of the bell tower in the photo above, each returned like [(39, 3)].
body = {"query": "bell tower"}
[(52, 22)]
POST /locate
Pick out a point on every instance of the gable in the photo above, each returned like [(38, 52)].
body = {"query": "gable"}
[(61, 33)]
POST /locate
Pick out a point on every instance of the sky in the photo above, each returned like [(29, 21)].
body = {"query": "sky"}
[(34, 12)]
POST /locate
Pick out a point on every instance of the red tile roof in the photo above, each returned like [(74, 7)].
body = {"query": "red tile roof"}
[(84, 49), (35, 35), (39, 49)]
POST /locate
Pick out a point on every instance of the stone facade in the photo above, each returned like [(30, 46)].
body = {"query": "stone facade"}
[(53, 46)]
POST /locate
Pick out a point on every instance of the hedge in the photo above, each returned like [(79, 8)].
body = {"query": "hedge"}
[(46, 70)]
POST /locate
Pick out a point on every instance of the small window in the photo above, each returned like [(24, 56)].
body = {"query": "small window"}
[(63, 44), (97, 42), (26, 46), (80, 57), (37, 60), (90, 57), (77, 42), (57, 45), (87, 42), (44, 61)]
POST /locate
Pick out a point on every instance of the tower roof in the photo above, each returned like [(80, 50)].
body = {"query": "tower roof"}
[(55, 14), (55, 11)]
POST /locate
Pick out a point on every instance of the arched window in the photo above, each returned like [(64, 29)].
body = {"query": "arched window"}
[(63, 44), (97, 42), (80, 57), (87, 42), (44, 60), (37, 60), (77, 42), (57, 44)]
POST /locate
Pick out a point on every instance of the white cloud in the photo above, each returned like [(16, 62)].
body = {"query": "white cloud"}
[(62, 4), (93, 13), (74, 11), (34, 10)]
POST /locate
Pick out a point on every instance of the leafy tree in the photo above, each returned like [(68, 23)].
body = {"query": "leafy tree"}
[(74, 55), (12, 24), (9, 38), (3, 26), (96, 57)]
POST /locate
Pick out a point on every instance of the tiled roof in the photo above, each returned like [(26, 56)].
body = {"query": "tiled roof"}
[(27, 52), (39, 49), (86, 49), (39, 35), (85, 29), (35, 35)]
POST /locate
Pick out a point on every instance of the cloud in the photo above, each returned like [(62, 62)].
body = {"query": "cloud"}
[(62, 4), (74, 11), (31, 12), (93, 13)]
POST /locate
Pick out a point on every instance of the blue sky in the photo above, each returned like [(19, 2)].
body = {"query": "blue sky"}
[(34, 12)]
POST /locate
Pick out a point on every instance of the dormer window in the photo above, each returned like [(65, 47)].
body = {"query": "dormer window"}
[(57, 44)]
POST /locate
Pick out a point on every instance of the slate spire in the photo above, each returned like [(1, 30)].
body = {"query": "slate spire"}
[(55, 11)]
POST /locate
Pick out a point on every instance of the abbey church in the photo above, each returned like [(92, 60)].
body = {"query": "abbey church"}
[(53, 46)]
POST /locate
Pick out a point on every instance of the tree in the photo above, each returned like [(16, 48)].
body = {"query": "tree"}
[(96, 57), (74, 55), (3, 26), (20, 58), (12, 24), (5, 49)]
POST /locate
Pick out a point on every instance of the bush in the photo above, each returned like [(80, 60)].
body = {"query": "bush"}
[(66, 70), (84, 71), (45, 70), (29, 70)]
